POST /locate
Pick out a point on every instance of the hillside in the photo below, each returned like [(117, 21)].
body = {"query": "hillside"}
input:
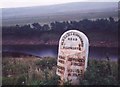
[(60, 12), (101, 33)]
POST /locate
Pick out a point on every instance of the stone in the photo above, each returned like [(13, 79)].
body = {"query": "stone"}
[(72, 56)]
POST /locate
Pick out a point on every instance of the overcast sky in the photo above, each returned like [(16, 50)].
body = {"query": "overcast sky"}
[(26, 3)]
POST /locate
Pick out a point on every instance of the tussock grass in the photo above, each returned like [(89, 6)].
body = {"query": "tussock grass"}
[(42, 71)]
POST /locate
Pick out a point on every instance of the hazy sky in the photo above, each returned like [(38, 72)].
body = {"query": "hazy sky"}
[(26, 3)]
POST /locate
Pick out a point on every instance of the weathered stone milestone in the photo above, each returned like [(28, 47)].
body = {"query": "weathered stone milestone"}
[(72, 56)]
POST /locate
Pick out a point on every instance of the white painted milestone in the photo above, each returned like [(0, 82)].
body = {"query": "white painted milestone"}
[(72, 56)]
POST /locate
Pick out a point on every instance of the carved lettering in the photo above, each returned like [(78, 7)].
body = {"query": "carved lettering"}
[(72, 55)]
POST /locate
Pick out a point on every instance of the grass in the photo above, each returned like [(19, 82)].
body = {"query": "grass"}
[(42, 71)]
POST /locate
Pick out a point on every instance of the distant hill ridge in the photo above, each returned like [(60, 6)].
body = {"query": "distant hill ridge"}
[(76, 6), (59, 12)]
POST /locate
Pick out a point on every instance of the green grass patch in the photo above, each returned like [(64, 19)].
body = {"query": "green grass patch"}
[(42, 71)]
